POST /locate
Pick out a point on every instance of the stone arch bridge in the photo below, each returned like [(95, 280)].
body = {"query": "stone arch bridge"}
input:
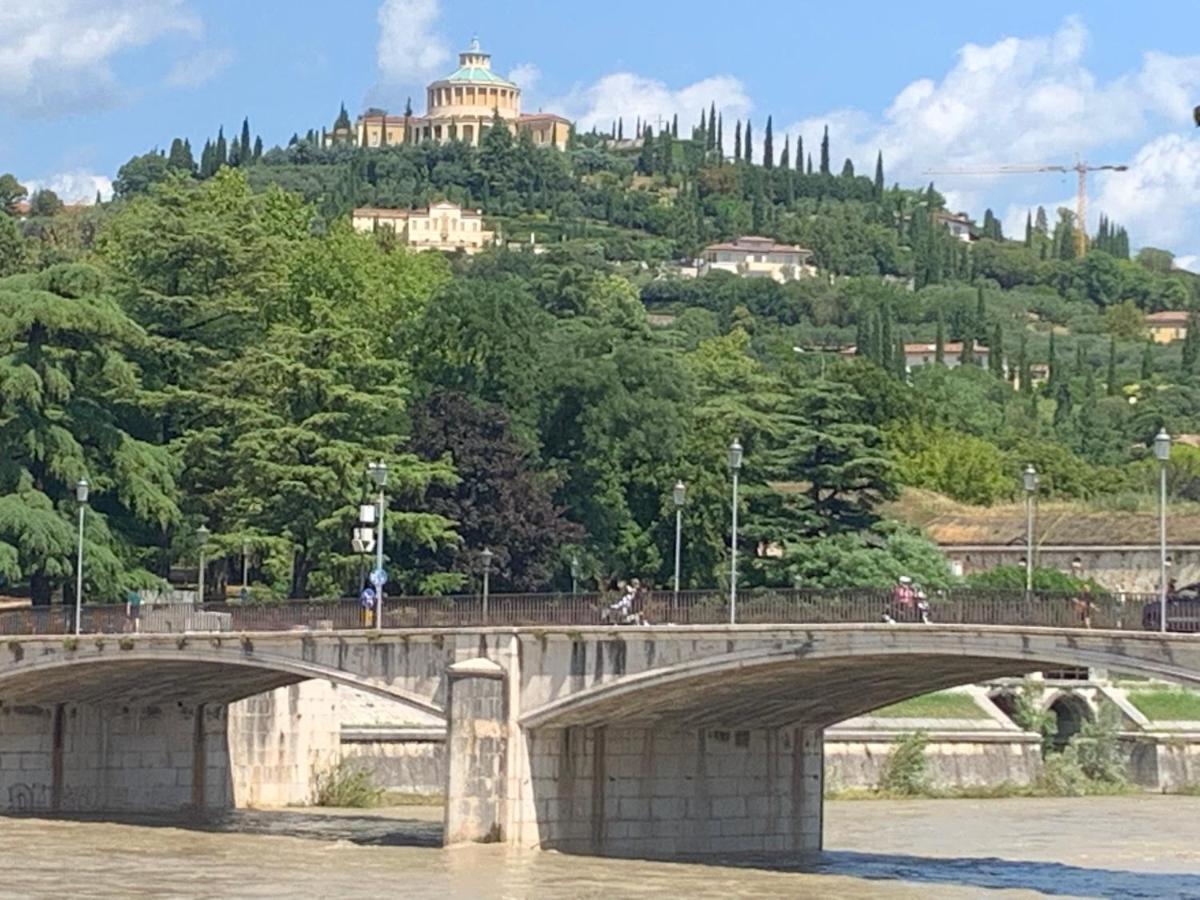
[(641, 741)]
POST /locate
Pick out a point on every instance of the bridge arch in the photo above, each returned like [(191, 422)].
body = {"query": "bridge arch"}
[(825, 676), (194, 674)]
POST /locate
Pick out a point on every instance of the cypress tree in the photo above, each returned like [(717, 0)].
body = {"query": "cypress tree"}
[(800, 153), (702, 132), (887, 340), (769, 146), (1052, 380), (247, 143), (1028, 229), (879, 176), (711, 137), (1147, 362), (980, 329), (996, 352), (235, 153), (737, 142), (1191, 344), (939, 343), (220, 151), (900, 360), (720, 137), (675, 125), (621, 128), (1062, 404), (810, 168), (1024, 373), (258, 148), (848, 168), (1081, 365), (862, 335), (825, 152), (748, 143), (785, 158), (1110, 380), (966, 356)]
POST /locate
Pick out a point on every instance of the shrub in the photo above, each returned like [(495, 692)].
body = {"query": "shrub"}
[(1098, 746), (346, 785), (905, 772)]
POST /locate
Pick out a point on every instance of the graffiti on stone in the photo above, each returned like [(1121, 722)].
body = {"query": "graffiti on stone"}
[(24, 798)]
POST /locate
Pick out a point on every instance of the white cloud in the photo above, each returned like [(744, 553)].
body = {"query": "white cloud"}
[(201, 67), (56, 55), (74, 187), (1033, 100), (526, 76), (630, 96), (410, 50)]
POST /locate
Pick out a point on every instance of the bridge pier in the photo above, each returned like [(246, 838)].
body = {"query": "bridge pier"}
[(102, 757), (664, 792)]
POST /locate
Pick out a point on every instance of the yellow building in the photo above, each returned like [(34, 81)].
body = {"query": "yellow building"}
[(460, 107), (444, 226), (758, 257), (1168, 326)]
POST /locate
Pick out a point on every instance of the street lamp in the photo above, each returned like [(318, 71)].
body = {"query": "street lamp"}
[(1162, 452), (486, 556), (678, 495), (1030, 483), (735, 463), (202, 534), (81, 497), (379, 474)]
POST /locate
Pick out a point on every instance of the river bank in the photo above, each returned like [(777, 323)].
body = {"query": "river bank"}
[(1137, 846)]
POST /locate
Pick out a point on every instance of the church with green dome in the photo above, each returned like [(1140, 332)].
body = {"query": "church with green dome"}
[(459, 107)]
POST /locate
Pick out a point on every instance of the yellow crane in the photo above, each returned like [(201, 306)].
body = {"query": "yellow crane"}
[(1081, 169)]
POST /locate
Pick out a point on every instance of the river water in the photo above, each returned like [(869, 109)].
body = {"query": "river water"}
[(1139, 846)]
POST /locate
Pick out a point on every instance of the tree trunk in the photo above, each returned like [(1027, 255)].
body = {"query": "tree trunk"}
[(40, 589), (300, 568)]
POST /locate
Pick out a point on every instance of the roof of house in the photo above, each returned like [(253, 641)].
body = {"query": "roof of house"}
[(391, 213), (1169, 317), (532, 117), (756, 244), (951, 347), (475, 75)]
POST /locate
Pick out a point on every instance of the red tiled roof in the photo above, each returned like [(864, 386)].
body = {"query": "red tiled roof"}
[(753, 243), (532, 117), (1169, 317)]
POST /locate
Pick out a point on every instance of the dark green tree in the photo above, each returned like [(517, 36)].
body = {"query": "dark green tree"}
[(879, 176), (1112, 388), (748, 143), (825, 152), (768, 159), (996, 352), (939, 344)]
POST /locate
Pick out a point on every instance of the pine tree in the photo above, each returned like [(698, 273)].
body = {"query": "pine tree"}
[(737, 142), (785, 158), (825, 152), (1111, 386), (748, 143), (768, 160), (939, 343), (879, 176)]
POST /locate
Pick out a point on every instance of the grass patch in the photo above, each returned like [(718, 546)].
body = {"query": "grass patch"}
[(989, 792), (405, 798), (346, 785), (1167, 705), (946, 705)]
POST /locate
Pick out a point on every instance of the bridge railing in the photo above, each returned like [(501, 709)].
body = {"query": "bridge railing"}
[(762, 607)]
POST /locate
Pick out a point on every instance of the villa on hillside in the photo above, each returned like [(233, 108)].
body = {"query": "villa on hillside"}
[(444, 226), (460, 107), (758, 257), (1168, 326), (959, 225), (917, 355)]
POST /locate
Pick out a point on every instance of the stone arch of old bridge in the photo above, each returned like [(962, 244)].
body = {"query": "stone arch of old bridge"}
[(667, 741), (108, 724)]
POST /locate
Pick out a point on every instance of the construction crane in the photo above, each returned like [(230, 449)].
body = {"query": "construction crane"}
[(1081, 169)]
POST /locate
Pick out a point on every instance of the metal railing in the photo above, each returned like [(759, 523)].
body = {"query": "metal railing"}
[(1132, 612)]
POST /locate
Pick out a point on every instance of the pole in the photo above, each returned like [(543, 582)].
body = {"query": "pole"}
[(1028, 543), (200, 586), (487, 572), (379, 564), (79, 576), (245, 570), (733, 555), (678, 545), (1162, 547)]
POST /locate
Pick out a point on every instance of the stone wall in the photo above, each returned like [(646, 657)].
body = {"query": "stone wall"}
[(405, 766), (1132, 570), (652, 792), (962, 760), (113, 758), (280, 741)]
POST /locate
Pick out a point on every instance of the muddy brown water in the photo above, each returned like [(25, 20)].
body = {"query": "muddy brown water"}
[(1137, 846)]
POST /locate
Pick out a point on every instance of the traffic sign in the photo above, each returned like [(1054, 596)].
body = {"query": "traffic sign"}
[(379, 578)]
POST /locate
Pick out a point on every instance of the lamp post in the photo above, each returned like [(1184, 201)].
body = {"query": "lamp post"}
[(81, 498), (574, 574), (735, 463), (486, 556), (202, 534), (1030, 483), (678, 495), (1162, 452), (245, 570), (379, 474)]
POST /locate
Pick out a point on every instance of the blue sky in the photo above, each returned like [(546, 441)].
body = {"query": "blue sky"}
[(85, 84)]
